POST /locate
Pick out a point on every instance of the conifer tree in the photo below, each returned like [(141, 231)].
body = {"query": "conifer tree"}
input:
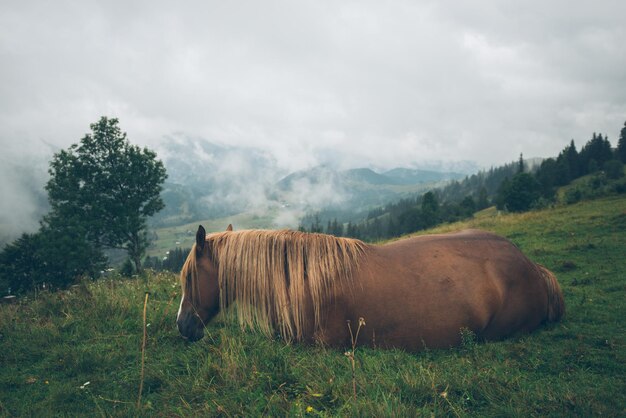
[(621, 145), (595, 153)]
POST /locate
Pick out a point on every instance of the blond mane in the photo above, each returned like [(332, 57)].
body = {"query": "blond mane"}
[(276, 277), (189, 277)]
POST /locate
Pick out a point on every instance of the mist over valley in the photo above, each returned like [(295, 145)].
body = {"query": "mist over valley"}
[(208, 181)]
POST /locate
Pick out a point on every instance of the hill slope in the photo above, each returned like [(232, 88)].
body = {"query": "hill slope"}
[(53, 344)]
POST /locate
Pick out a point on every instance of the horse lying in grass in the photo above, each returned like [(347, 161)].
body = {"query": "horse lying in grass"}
[(414, 293)]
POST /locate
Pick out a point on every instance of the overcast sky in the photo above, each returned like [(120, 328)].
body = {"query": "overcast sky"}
[(380, 83)]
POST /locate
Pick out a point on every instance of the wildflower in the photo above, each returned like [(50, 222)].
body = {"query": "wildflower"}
[(309, 409)]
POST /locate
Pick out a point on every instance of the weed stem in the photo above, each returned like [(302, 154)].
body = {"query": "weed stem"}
[(143, 349)]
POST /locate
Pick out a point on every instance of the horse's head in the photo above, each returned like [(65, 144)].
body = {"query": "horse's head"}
[(200, 300)]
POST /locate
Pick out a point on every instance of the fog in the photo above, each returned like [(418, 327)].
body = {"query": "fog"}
[(245, 179), (24, 200)]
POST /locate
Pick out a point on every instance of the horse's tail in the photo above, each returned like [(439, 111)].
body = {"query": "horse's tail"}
[(556, 304)]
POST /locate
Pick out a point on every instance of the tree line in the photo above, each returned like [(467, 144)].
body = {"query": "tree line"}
[(526, 190), (173, 261), (399, 218)]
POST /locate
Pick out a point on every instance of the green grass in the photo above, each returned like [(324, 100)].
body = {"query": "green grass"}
[(52, 344)]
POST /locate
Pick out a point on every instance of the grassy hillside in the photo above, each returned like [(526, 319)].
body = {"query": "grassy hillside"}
[(185, 235), (51, 345)]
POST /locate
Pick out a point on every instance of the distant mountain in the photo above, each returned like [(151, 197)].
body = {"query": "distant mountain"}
[(317, 175), (208, 180), (416, 176), (462, 167), (367, 176), (363, 188)]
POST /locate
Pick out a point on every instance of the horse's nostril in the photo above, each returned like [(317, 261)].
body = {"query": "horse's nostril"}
[(196, 336), (189, 328)]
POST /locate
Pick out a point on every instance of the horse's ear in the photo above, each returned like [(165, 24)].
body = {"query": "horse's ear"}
[(229, 228), (200, 238)]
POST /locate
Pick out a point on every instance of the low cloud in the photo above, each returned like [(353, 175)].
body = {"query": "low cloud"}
[(24, 200), (231, 179)]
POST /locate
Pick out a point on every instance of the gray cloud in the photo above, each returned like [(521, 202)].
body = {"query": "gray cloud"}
[(421, 80)]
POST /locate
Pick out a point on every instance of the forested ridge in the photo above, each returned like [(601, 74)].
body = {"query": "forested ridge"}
[(513, 187)]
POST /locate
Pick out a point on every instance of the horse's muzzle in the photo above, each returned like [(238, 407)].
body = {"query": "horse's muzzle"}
[(190, 327)]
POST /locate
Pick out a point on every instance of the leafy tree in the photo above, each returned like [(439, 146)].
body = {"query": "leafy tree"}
[(621, 145), (18, 265), (127, 268), (51, 256), (66, 252), (109, 187)]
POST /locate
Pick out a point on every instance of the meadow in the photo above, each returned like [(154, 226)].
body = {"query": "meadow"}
[(78, 352)]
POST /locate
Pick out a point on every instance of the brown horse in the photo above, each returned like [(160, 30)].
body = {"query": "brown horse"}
[(414, 293)]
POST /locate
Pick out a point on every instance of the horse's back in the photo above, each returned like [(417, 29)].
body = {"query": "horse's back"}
[(421, 291)]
